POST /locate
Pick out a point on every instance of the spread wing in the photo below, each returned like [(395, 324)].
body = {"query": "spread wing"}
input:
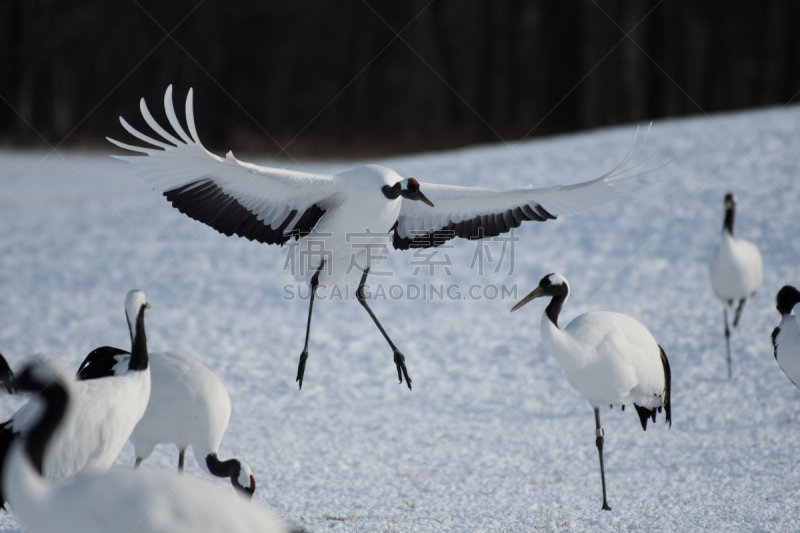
[(268, 205), (473, 213)]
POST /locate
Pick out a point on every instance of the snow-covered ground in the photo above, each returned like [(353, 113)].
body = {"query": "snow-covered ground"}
[(492, 438)]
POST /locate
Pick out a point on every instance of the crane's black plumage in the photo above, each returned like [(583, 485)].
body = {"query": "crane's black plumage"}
[(478, 227), (100, 363), (775, 342), (6, 375), (645, 413), (205, 202)]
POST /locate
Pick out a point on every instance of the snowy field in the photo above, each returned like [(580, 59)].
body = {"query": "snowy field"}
[(492, 438)]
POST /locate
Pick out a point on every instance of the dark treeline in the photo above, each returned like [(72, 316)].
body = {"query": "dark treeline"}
[(334, 75)]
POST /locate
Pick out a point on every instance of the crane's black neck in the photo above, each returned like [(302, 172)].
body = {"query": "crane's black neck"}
[(555, 305), (55, 398), (397, 190), (232, 469), (139, 359), (229, 468), (392, 192), (728, 224)]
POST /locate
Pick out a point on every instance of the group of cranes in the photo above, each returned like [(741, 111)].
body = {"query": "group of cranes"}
[(274, 206), (148, 398), (103, 415), (109, 501), (611, 359)]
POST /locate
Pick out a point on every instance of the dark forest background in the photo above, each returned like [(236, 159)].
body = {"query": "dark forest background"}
[(333, 76)]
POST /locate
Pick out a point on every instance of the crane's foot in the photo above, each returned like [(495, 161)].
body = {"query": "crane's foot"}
[(400, 361), (301, 367), (605, 507)]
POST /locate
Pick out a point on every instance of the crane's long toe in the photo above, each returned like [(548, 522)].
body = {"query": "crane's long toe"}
[(400, 361), (605, 507), (301, 368)]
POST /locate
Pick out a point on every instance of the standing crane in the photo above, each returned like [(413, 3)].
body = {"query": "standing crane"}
[(736, 271), (610, 358)]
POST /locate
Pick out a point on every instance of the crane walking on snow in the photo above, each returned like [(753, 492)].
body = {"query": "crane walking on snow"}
[(610, 358), (274, 206), (736, 271)]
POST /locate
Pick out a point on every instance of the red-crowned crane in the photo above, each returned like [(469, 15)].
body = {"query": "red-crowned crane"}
[(736, 271), (610, 358)]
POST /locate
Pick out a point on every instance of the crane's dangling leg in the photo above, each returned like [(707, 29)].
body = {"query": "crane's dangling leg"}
[(738, 312), (399, 359), (599, 443), (301, 366), (137, 463), (181, 458), (727, 339)]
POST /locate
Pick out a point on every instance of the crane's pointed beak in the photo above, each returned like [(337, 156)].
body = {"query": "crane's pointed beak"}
[(535, 293), (424, 199)]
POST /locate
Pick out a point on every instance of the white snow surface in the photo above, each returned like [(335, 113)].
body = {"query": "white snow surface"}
[(492, 438)]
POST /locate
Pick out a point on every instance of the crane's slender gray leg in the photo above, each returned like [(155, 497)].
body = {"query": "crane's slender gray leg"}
[(301, 366), (599, 443), (727, 339), (399, 359), (137, 463), (738, 312), (181, 458)]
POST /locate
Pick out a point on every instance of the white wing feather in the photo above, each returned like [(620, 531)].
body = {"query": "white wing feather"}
[(268, 193), (454, 204)]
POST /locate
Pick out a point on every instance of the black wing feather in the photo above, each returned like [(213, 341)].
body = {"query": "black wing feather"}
[(667, 387), (479, 227), (204, 201), (645, 413), (99, 363)]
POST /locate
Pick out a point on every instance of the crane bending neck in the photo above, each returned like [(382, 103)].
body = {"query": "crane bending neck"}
[(219, 468)]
